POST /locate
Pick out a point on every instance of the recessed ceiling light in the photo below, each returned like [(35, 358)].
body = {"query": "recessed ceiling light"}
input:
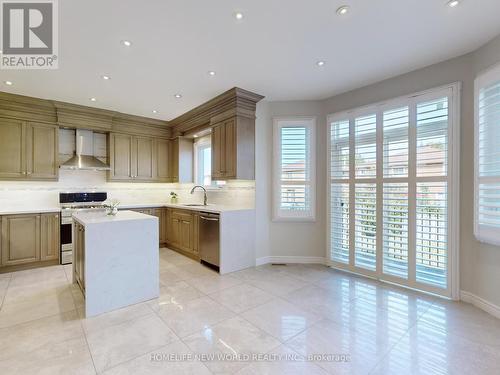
[(343, 10), (93, 99), (211, 73), (453, 3), (154, 111), (126, 43), (195, 136), (178, 96), (105, 77), (8, 83), (320, 63), (238, 15)]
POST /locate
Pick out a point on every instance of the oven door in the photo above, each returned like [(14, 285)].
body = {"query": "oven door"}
[(66, 240)]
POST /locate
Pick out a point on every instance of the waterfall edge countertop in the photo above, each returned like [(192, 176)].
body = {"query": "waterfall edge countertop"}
[(116, 259)]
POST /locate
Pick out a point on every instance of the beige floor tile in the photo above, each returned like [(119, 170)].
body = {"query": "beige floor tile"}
[(213, 282), (281, 319), (319, 300), (189, 271), (64, 357), (171, 257), (425, 350), (38, 276), (100, 322), (24, 338), (121, 342), (282, 361), (308, 272), (176, 292), (339, 349), (192, 316), (463, 320), (229, 343), (36, 307), (169, 276), (241, 297), (278, 284), (175, 358)]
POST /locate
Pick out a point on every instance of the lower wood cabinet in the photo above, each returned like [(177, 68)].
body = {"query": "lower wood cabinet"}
[(182, 231), (29, 239), (79, 254)]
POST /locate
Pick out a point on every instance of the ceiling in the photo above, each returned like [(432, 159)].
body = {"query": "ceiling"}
[(272, 51)]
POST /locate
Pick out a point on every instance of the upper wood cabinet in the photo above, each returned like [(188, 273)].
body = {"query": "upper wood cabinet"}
[(181, 160), (141, 159), (28, 150), (163, 160), (233, 149)]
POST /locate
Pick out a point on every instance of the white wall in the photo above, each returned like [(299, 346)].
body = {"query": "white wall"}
[(286, 238)]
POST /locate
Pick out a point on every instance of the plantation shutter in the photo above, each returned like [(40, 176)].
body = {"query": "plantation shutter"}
[(294, 169), (487, 157)]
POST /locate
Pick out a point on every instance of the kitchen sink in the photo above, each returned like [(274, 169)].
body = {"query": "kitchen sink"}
[(193, 205)]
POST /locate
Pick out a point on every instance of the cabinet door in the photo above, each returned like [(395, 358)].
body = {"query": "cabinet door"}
[(196, 233), (174, 160), (218, 151), (186, 235), (144, 158), (162, 160), (230, 149), (20, 239), (49, 237), (42, 151), (120, 157), (12, 149), (175, 230)]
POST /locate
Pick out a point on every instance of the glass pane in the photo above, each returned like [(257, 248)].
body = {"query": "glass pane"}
[(432, 138), (339, 222), (489, 131), (432, 233), (366, 149), (294, 154), (365, 226), (339, 149), (395, 125), (395, 214), (295, 197)]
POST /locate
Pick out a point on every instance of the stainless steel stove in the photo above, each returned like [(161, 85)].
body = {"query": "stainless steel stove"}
[(69, 203)]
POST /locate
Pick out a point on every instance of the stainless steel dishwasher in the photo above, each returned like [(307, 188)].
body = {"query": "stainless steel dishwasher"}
[(209, 239)]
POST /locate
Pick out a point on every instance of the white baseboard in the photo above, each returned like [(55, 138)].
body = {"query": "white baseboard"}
[(480, 303), (289, 259)]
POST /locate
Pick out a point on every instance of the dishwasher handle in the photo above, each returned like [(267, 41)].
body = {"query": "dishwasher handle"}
[(209, 218)]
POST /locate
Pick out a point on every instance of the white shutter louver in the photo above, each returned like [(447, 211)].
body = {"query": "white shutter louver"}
[(366, 146), (365, 247), (487, 204)]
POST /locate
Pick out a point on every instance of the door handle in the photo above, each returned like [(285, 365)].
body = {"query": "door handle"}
[(209, 218)]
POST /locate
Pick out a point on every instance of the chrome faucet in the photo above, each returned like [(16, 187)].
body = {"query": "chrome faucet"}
[(204, 193)]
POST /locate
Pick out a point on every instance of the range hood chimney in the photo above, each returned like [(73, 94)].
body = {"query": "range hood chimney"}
[(84, 158)]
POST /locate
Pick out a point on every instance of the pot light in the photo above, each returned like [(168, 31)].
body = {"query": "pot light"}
[(154, 111), (93, 99), (126, 43), (195, 136), (105, 77), (177, 96), (320, 63), (8, 83), (238, 15), (343, 10), (211, 73), (453, 3)]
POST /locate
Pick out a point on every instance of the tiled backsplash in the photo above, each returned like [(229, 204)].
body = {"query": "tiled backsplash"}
[(25, 194)]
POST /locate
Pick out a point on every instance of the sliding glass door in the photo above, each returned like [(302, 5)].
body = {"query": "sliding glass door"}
[(393, 190)]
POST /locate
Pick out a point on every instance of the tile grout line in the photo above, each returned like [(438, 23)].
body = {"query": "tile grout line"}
[(6, 289)]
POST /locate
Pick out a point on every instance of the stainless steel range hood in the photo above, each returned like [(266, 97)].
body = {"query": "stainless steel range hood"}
[(84, 158)]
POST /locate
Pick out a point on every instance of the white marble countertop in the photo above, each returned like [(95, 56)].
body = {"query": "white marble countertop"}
[(215, 208), (27, 210), (100, 216)]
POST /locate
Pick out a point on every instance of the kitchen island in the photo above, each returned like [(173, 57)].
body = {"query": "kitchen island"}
[(116, 260)]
